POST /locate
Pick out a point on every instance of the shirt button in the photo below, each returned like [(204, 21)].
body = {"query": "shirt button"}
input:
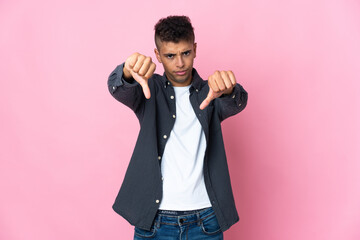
[(172, 97), (197, 90), (239, 104), (168, 83), (114, 87), (165, 137), (162, 178), (233, 96), (159, 157), (174, 116), (157, 201)]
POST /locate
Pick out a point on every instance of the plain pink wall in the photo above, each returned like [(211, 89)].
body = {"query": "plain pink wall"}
[(293, 152)]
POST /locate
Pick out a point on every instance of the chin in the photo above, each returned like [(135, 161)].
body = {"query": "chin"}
[(182, 79)]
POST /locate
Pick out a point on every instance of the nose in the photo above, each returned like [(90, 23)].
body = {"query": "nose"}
[(179, 62)]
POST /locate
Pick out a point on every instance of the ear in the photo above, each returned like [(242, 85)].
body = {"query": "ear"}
[(195, 50), (157, 55)]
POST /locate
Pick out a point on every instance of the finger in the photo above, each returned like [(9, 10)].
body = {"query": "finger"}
[(145, 67), (150, 71), (205, 103), (220, 81), (146, 90), (232, 77), (207, 100), (139, 63), (226, 79), (212, 84), (131, 61)]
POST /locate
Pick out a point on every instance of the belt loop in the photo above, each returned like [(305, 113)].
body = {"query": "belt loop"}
[(198, 218), (158, 221)]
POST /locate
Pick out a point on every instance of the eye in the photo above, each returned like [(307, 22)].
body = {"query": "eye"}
[(187, 53), (170, 56)]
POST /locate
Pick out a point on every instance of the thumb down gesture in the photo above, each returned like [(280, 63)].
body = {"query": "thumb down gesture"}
[(221, 82), (141, 68)]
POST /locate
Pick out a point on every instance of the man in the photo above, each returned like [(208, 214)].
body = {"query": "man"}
[(177, 184)]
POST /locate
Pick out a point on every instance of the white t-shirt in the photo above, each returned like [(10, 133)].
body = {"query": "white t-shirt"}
[(183, 159)]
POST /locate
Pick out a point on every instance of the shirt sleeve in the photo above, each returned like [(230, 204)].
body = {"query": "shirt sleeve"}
[(233, 103), (127, 92)]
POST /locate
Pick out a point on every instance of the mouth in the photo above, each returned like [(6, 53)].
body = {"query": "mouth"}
[(180, 73)]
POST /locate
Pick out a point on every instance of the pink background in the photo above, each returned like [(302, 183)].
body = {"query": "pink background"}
[(294, 152)]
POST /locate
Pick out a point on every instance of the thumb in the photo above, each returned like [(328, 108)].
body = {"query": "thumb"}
[(143, 82), (208, 99), (146, 89)]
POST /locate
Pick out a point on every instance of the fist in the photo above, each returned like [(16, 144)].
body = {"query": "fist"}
[(221, 82), (141, 68)]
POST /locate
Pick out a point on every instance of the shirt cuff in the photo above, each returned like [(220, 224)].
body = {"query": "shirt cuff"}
[(116, 79)]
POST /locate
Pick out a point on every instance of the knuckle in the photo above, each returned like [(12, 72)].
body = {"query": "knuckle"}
[(141, 57), (151, 68)]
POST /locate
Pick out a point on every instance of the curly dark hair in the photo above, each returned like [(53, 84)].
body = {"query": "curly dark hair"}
[(174, 29)]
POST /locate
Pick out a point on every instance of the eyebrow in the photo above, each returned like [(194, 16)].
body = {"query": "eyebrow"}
[(166, 54)]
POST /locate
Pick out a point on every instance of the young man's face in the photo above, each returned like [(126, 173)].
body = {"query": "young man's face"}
[(177, 59)]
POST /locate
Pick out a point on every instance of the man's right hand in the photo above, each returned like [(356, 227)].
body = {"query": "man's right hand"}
[(141, 68)]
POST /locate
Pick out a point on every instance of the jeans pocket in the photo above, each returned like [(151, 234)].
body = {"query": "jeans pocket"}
[(144, 233), (210, 225)]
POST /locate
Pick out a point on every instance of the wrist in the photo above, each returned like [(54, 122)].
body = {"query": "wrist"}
[(126, 73), (228, 91)]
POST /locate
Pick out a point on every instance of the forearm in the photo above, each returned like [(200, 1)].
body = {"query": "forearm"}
[(127, 91)]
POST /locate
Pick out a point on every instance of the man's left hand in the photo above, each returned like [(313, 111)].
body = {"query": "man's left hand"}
[(221, 82)]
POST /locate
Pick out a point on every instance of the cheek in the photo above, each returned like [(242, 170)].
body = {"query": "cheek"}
[(167, 65), (191, 59), (189, 62)]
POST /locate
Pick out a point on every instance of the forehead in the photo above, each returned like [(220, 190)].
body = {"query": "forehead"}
[(172, 47)]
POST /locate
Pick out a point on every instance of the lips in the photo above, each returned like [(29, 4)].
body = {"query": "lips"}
[(180, 73)]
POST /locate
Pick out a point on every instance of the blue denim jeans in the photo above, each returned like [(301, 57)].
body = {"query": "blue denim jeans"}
[(200, 225)]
